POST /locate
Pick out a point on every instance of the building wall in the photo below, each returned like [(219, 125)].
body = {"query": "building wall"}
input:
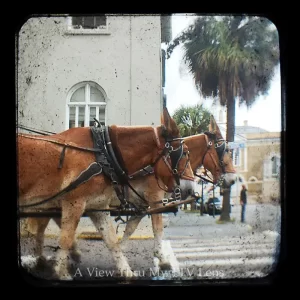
[(256, 155), (125, 63), (257, 151)]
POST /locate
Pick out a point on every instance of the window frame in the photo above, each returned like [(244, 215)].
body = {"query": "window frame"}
[(73, 30), (87, 104), (275, 159), (236, 157), (268, 173)]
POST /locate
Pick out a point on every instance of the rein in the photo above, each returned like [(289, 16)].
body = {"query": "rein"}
[(203, 178), (61, 143), (171, 206), (106, 161), (42, 132)]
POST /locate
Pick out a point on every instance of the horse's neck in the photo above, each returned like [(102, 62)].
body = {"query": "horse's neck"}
[(197, 146), (136, 145)]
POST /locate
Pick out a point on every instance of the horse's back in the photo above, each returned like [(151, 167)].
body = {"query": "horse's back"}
[(45, 167)]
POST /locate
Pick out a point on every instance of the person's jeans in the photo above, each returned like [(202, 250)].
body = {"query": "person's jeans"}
[(243, 213)]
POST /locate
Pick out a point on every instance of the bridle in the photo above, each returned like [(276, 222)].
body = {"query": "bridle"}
[(220, 149), (167, 152)]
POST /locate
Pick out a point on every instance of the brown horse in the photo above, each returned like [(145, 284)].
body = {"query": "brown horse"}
[(207, 149), (48, 165)]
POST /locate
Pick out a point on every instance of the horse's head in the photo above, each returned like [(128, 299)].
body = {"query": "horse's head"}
[(210, 151), (218, 159), (172, 166)]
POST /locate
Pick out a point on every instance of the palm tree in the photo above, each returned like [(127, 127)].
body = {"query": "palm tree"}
[(231, 58), (192, 119)]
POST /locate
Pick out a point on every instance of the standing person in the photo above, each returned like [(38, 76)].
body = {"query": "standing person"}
[(243, 202)]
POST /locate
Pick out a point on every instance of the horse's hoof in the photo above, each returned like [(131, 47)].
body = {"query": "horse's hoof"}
[(62, 274), (76, 256), (165, 266), (127, 273), (42, 262), (65, 277)]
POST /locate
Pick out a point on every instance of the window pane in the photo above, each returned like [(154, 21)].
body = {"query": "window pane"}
[(274, 165), (236, 157), (78, 96), (72, 117), (96, 95), (76, 21), (92, 115), (100, 21), (81, 116), (89, 22), (102, 115)]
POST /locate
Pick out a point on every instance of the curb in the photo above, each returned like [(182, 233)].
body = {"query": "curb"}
[(97, 236), (94, 236)]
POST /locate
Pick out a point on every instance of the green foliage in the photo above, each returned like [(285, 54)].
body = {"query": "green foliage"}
[(192, 119), (231, 56)]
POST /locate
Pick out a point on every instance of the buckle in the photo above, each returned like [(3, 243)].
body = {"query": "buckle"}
[(165, 201)]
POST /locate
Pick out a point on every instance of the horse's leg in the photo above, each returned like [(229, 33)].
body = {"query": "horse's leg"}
[(71, 213), (75, 253), (36, 228), (103, 223), (42, 224), (131, 226), (154, 196), (157, 226)]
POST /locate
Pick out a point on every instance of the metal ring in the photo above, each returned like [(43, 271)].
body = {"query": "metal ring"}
[(177, 190), (165, 201)]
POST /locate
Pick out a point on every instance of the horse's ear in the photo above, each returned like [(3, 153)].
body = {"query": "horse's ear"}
[(214, 128), (165, 118), (162, 121), (169, 123), (212, 124)]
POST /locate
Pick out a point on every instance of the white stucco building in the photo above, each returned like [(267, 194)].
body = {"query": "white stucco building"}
[(72, 69)]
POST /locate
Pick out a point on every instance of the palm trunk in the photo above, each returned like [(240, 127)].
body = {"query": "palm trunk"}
[(225, 215)]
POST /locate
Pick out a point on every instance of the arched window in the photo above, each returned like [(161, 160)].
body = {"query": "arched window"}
[(85, 101)]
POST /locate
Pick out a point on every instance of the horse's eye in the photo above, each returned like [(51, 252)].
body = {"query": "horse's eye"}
[(186, 153)]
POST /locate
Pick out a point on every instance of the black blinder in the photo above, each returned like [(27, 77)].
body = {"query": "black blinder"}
[(175, 156)]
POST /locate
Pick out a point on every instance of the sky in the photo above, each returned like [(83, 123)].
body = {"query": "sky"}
[(264, 113)]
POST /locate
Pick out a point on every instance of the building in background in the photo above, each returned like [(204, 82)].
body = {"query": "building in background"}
[(256, 157), (71, 70)]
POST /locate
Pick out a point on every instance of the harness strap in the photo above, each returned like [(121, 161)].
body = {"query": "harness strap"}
[(203, 178), (143, 172), (42, 132), (113, 160), (92, 170), (60, 143), (104, 158), (62, 156), (108, 158)]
